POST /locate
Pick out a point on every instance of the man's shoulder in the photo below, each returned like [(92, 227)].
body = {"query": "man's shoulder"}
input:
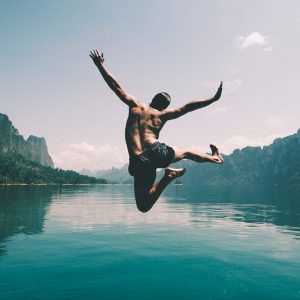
[(139, 105)]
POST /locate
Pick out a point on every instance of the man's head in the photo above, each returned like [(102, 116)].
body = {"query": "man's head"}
[(161, 101)]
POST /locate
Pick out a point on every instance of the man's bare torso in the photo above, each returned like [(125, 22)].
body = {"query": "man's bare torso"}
[(142, 128)]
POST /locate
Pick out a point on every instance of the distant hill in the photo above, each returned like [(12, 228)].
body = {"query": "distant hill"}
[(28, 161), (116, 175), (113, 175), (278, 163)]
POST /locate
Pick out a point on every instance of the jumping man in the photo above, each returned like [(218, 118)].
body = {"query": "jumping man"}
[(146, 153)]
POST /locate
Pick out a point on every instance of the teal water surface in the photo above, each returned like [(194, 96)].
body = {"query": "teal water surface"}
[(90, 242)]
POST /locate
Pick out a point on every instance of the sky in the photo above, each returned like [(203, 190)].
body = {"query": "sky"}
[(49, 86)]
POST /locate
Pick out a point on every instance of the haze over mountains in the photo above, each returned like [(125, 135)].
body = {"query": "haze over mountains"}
[(278, 163)]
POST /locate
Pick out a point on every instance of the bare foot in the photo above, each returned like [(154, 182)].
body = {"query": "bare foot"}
[(214, 149), (174, 173), (215, 152)]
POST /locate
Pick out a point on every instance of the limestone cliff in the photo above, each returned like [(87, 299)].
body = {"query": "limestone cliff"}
[(34, 148)]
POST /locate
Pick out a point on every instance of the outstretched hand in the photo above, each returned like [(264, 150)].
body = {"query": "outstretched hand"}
[(219, 92), (96, 57)]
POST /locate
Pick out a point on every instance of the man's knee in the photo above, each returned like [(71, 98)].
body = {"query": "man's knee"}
[(188, 154), (143, 208), (142, 199), (142, 205)]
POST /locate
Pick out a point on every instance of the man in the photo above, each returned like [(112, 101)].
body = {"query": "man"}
[(143, 126)]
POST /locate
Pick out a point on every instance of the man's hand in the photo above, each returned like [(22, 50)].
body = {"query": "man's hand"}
[(219, 92), (97, 58)]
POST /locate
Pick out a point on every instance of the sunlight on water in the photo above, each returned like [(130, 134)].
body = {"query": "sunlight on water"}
[(90, 242)]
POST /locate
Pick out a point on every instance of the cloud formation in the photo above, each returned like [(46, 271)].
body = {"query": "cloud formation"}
[(77, 156), (254, 39)]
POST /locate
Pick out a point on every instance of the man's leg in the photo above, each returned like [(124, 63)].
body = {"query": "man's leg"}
[(196, 156), (146, 197)]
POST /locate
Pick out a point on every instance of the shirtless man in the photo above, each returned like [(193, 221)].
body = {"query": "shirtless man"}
[(143, 126)]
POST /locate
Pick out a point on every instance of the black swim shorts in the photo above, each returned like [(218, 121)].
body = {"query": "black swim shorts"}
[(143, 166)]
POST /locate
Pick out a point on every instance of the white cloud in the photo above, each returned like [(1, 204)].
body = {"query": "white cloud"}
[(254, 39), (77, 156)]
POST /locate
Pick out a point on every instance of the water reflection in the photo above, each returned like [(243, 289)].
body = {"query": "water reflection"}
[(26, 209), (104, 206), (182, 206), (23, 210), (277, 205)]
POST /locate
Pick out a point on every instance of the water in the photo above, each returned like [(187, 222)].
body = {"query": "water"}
[(90, 242)]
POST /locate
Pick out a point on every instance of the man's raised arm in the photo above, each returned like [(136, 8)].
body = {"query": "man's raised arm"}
[(170, 114), (110, 80)]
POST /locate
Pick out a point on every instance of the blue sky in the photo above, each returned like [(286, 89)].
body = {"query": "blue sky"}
[(49, 86)]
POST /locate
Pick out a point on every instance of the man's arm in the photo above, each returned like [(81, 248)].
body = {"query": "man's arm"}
[(111, 80), (170, 114)]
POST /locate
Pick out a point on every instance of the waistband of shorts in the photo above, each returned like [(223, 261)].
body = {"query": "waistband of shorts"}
[(151, 147)]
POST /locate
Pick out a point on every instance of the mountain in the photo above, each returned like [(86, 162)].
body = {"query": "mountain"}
[(33, 149), (278, 163), (28, 161), (114, 175)]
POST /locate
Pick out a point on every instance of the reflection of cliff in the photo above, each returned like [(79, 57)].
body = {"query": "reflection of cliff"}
[(23, 210), (278, 205)]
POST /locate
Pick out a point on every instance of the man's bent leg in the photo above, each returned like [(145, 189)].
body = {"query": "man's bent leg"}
[(196, 156), (146, 197)]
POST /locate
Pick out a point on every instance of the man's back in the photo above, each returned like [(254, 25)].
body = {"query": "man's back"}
[(142, 128)]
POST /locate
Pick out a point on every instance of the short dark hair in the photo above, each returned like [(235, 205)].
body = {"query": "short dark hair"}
[(161, 101)]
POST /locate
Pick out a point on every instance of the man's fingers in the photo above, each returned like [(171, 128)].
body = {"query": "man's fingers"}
[(95, 53)]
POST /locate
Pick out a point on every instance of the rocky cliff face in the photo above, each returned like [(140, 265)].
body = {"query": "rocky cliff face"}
[(34, 148)]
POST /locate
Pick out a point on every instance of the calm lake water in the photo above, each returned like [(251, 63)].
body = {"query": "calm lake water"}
[(90, 242)]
